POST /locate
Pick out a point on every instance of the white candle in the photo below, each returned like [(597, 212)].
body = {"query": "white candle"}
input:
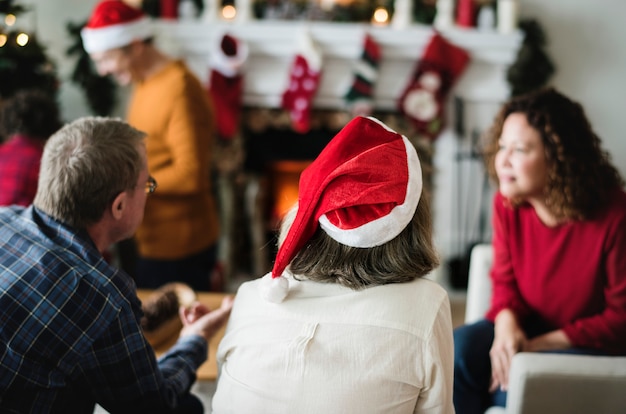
[(211, 10), (486, 19), (444, 19), (403, 14), (507, 16), (187, 10), (244, 11)]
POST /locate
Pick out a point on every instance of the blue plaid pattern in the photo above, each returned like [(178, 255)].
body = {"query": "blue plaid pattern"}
[(69, 327)]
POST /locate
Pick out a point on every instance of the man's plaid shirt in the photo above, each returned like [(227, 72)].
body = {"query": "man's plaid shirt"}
[(69, 327)]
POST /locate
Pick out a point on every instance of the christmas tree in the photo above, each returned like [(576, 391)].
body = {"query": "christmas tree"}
[(24, 63)]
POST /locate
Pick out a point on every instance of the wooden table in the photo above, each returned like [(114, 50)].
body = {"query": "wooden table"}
[(208, 370)]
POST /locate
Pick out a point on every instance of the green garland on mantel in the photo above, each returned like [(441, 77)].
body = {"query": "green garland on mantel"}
[(533, 67), (100, 91)]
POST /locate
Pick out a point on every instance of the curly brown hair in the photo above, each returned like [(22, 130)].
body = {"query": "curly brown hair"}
[(581, 177)]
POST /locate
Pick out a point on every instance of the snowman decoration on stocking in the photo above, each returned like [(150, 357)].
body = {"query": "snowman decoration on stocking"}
[(424, 97)]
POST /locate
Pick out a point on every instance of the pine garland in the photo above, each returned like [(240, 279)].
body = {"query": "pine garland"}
[(100, 91), (533, 67), (7, 7)]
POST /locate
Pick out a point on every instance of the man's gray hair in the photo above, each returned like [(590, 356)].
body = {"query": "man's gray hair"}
[(84, 166)]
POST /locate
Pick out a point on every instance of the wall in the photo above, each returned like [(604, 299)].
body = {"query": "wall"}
[(586, 41), (52, 17)]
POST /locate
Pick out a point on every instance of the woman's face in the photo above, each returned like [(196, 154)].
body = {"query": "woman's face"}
[(521, 163)]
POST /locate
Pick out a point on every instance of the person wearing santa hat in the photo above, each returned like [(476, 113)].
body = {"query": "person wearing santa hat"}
[(345, 321), (178, 237)]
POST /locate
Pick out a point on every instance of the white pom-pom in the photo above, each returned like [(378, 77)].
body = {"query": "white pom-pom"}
[(274, 289)]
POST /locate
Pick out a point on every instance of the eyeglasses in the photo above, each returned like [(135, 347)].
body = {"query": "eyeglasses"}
[(151, 185)]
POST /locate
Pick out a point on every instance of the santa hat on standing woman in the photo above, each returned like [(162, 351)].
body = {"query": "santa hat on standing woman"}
[(114, 24), (362, 190)]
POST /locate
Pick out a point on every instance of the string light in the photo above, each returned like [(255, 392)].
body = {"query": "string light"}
[(10, 19), (380, 16), (3, 39), (229, 12), (22, 39)]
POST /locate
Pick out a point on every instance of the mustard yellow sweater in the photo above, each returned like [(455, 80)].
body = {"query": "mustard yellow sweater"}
[(174, 110)]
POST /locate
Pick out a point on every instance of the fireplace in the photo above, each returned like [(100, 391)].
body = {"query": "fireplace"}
[(476, 97)]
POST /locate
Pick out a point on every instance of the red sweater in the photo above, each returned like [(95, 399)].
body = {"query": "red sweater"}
[(570, 277), (20, 158)]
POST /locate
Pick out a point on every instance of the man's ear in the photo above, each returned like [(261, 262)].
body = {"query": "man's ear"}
[(119, 205)]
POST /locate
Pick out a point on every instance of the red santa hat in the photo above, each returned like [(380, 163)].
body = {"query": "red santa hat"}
[(362, 190), (114, 24), (230, 54)]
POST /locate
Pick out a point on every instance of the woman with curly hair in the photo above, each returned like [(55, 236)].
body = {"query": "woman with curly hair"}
[(27, 120), (559, 238)]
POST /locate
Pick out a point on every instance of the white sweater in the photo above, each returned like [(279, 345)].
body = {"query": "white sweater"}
[(329, 349)]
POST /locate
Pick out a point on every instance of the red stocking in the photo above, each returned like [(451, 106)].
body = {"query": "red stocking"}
[(304, 80), (424, 97), (226, 84)]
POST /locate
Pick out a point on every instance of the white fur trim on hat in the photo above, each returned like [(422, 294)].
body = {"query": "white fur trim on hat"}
[(309, 50), (386, 228), (228, 66), (111, 37), (274, 290)]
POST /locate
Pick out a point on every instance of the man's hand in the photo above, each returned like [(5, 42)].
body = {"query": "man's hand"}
[(199, 320), (509, 339)]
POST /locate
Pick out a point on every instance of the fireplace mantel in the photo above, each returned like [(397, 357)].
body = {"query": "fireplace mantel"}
[(272, 45)]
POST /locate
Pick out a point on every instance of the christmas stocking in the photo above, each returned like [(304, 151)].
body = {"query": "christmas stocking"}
[(304, 80), (424, 97), (359, 97), (226, 84)]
